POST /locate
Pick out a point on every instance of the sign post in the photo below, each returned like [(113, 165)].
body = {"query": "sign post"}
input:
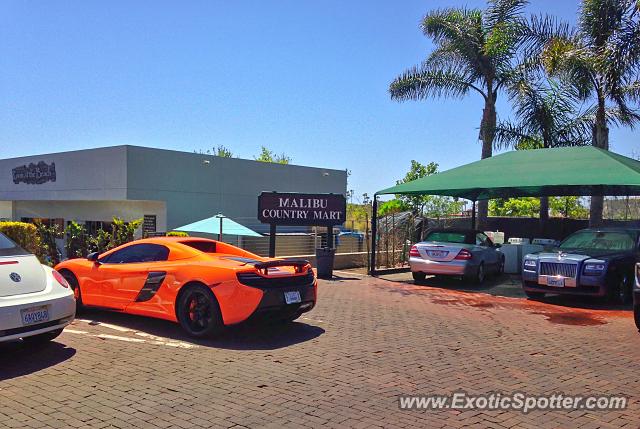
[(296, 209)]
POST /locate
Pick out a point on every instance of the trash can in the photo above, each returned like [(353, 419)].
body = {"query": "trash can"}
[(324, 262)]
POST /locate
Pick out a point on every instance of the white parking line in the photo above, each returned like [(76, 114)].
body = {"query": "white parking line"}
[(146, 338)]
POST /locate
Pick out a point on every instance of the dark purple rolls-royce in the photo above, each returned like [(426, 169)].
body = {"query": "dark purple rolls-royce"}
[(598, 262)]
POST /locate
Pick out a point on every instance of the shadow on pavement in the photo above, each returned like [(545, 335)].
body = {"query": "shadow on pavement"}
[(250, 335), (18, 359)]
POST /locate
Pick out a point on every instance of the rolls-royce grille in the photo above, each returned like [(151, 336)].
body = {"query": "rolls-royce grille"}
[(255, 280), (558, 269)]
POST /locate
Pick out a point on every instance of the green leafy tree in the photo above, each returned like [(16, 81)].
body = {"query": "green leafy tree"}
[(568, 207), (474, 52), (601, 60), (222, 152), (267, 155), (515, 207), (426, 205), (392, 206)]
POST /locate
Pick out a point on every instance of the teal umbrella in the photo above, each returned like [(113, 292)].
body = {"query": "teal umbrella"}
[(219, 224)]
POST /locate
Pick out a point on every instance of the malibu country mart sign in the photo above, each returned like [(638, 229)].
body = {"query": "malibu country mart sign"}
[(279, 208)]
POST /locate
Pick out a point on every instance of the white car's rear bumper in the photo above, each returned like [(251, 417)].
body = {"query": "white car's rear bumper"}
[(61, 307)]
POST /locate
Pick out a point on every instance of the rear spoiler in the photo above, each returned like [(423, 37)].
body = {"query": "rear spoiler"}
[(299, 264)]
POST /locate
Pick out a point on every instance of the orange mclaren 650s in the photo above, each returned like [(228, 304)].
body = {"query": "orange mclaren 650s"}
[(202, 284)]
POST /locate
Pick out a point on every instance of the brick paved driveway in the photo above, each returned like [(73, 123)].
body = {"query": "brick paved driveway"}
[(368, 341)]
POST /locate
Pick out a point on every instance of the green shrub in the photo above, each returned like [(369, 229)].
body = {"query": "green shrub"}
[(48, 234), (100, 242), (24, 234), (123, 232), (177, 234), (77, 245)]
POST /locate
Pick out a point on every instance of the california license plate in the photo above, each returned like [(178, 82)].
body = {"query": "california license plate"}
[(555, 281), (34, 315), (437, 253), (292, 297)]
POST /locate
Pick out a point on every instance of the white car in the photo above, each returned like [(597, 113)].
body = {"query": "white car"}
[(36, 302)]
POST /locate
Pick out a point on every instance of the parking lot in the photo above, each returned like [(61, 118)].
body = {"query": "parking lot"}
[(345, 364)]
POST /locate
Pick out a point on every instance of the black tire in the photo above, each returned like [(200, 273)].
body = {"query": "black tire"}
[(619, 289), (418, 277), (36, 340), (500, 269), (478, 277), (636, 316), (198, 312), (534, 295), (75, 286)]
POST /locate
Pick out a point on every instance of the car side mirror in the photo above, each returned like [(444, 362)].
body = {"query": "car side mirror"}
[(497, 245), (93, 256)]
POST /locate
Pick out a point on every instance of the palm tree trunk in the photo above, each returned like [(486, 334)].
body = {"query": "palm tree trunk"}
[(600, 139), (487, 133)]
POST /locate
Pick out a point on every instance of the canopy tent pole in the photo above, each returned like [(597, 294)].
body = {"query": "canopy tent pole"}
[(220, 233), (374, 233), (473, 215)]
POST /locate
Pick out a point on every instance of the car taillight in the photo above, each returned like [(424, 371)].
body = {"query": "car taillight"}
[(464, 255), (414, 251), (63, 282)]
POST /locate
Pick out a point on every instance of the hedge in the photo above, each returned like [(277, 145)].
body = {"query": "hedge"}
[(24, 234), (177, 234)]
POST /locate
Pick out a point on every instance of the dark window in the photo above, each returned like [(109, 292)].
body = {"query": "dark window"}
[(9, 248), (138, 253), (203, 246), (449, 237)]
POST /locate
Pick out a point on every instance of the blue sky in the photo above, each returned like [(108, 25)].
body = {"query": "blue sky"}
[(308, 78)]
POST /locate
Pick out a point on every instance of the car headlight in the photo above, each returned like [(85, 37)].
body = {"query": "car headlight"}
[(593, 269), (530, 263)]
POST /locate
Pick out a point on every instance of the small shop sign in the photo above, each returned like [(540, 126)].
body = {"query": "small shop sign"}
[(34, 174)]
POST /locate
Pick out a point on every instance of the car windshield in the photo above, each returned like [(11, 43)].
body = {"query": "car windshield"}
[(9, 248), (600, 240), (448, 237)]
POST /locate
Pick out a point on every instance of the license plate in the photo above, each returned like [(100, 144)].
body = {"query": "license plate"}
[(437, 253), (555, 281), (35, 315), (292, 297)]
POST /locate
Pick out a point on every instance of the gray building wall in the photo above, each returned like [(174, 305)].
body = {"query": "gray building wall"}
[(194, 186)]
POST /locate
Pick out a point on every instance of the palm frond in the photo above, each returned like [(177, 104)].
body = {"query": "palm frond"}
[(426, 81), (501, 11), (509, 135), (599, 20)]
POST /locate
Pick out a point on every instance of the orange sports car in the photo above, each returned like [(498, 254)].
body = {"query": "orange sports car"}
[(202, 284)]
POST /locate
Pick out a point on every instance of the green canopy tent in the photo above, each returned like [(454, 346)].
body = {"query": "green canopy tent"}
[(532, 173)]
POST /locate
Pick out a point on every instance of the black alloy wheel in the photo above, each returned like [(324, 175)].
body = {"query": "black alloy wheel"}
[(198, 312)]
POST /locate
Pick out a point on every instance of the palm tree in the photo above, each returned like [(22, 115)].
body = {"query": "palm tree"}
[(474, 52), (546, 114), (601, 60)]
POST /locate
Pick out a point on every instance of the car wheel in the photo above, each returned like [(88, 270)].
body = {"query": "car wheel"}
[(199, 312), (75, 286), (42, 338), (534, 295), (636, 316), (619, 290), (418, 277)]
